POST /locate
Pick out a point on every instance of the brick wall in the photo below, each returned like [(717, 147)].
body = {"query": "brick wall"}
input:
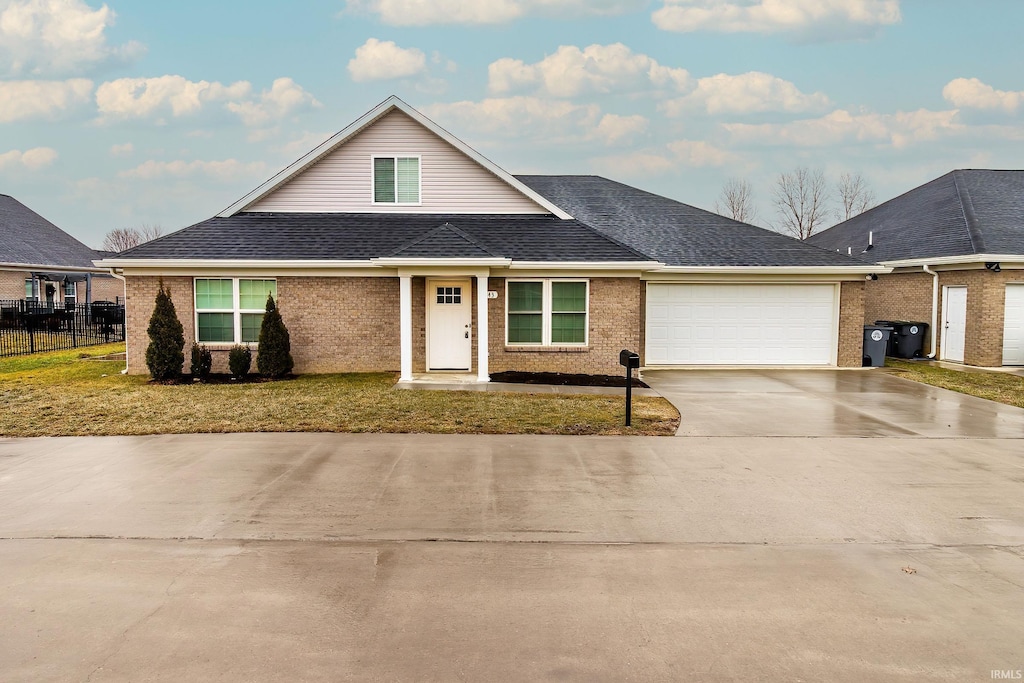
[(12, 284), (908, 296), (851, 324), (615, 305), (141, 298)]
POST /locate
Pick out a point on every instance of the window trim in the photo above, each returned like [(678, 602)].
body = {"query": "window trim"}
[(396, 157), (236, 311), (546, 311), (72, 297)]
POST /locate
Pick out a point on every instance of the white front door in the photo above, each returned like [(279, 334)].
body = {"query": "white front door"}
[(954, 328), (1013, 325), (449, 321)]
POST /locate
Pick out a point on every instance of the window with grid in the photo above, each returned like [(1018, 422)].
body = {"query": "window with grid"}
[(230, 310), (396, 180), (449, 295), (547, 312), (70, 292)]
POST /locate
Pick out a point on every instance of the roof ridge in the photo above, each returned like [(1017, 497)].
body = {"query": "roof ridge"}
[(970, 217)]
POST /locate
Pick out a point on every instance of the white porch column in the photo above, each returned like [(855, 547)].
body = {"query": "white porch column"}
[(405, 307), (482, 351)]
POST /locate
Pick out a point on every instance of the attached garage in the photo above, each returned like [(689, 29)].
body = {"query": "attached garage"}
[(1013, 325), (742, 324)]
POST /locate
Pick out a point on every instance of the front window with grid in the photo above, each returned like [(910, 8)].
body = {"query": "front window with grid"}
[(70, 292), (449, 295), (547, 312), (230, 310), (396, 180)]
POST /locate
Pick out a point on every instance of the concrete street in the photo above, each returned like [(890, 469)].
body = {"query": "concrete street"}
[(416, 557)]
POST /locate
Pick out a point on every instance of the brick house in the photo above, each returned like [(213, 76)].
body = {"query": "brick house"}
[(955, 247), (40, 262), (395, 246)]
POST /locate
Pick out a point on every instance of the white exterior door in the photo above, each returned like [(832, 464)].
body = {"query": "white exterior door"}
[(1013, 325), (742, 324), (954, 327), (449, 319)]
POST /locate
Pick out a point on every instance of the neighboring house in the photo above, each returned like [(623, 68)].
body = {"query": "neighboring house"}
[(956, 249), (395, 246), (39, 262)]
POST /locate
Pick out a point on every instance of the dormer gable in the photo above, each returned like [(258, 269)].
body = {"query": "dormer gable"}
[(394, 159)]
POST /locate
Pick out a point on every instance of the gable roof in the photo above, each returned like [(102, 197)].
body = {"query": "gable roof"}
[(29, 239), (674, 233), (364, 237), (963, 213), (368, 119)]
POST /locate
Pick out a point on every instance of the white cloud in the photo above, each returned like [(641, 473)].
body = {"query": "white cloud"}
[(594, 69), (699, 154), (122, 150), (57, 37), (284, 98), (425, 12), (378, 60), (613, 129), (302, 144), (974, 94), (177, 96), (674, 157), (746, 93), (22, 100), (840, 126), (811, 19), (31, 159), (517, 117), (143, 97), (226, 170)]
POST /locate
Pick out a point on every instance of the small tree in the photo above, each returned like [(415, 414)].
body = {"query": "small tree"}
[(275, 354), (239, 361), (736, 201), (801, 200), (854, 195), (122, 239), (166, 352), (202, 361)]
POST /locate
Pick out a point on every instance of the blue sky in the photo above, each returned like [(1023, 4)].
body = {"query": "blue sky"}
[(137, 112)]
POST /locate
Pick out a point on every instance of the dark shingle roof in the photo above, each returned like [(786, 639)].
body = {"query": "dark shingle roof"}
[(672, 232), (962, 213), (360, 236), (26, 237)]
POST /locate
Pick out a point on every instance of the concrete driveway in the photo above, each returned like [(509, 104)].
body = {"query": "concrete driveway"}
[(440, 558), (826, 403)]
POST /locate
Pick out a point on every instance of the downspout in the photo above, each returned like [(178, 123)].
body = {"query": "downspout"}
[(125, 284), (935, 310)]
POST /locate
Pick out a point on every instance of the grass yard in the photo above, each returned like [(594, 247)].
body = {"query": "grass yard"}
[(61, 394), (995, 386)]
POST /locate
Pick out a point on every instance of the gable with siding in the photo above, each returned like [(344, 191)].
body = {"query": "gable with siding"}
[(452, 183)]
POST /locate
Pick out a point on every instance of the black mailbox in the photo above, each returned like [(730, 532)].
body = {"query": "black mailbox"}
[(628, 359)]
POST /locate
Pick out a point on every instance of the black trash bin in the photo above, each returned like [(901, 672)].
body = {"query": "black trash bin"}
[(907, 339), (875, 339)]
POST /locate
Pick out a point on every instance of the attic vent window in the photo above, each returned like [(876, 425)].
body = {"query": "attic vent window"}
[(396, 180)]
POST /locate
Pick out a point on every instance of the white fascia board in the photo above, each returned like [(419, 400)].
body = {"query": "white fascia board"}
[(363, 122), (585, 265), (54, 269), (955, 260), (866, 269), (226, 264), (390, 262)]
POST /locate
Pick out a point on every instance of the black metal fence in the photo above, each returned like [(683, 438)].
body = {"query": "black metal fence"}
[(32, 326)]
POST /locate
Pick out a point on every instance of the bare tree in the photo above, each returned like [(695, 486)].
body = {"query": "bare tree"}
[(736, 201), (854, 194), (801, 201), (120, 239)]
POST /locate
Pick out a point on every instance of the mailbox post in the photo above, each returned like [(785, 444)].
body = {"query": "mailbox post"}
[(630, 361)]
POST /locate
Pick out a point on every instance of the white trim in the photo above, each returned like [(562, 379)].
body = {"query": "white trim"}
[(396, 157), (586, 265), (866, 269), (222, 264), (546, 305), (956, 260), (52, 269), (482, 331), (358, 126)]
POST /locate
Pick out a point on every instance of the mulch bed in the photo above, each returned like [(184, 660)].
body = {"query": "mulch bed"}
[(562, 378), (225, 378)]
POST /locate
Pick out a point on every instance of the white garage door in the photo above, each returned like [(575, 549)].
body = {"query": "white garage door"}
[(1013, 325), (741, 324)]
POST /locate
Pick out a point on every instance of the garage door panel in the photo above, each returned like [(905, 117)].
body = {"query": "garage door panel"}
[(741, 324), (1013, 325)]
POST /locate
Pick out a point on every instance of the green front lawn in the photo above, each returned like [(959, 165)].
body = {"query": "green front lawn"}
[(61, 394), (994, 386)]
